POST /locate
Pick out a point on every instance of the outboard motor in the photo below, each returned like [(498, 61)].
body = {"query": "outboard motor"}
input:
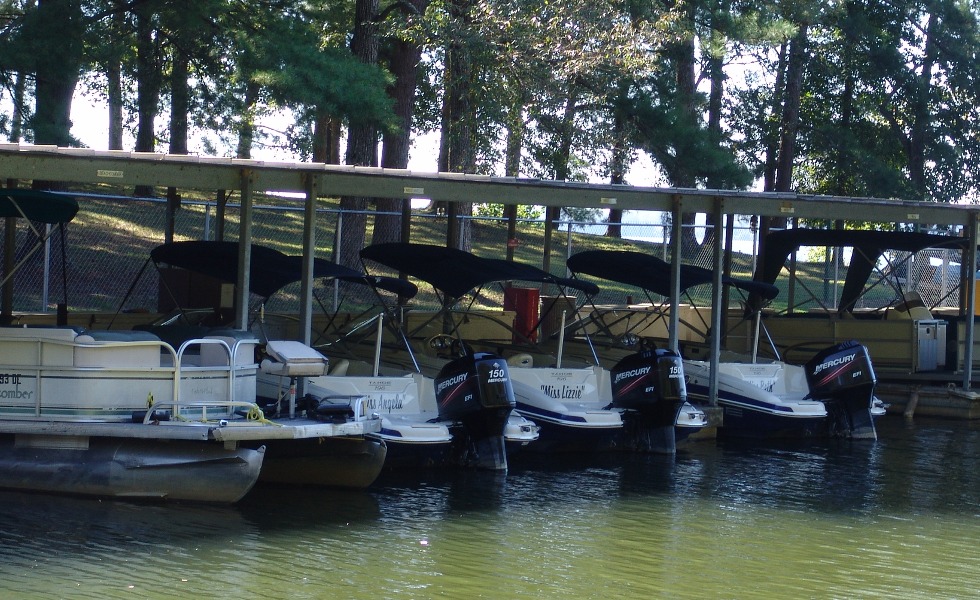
[(475, 392), (649, 386), (843, 379)]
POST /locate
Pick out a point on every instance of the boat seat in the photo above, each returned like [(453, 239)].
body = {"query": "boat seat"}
[(117, 349), (912, 309), (214, 355), (292, 359), (340, 367), (25, 345), (113, 335), (175, 335)]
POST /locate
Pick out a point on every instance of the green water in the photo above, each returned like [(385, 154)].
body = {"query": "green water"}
[(899, 518)]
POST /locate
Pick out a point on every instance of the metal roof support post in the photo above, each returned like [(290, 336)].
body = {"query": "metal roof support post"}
[(309, 251), (717, 295), (244, 251), (9, 256), (971, 295), (675, 272)]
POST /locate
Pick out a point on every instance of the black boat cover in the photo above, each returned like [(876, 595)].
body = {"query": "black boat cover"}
[(648, 272), (868, 247), (455, 272), (271, 269), (36, 205)]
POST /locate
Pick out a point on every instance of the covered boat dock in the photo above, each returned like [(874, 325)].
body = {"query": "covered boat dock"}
[(68, 166)]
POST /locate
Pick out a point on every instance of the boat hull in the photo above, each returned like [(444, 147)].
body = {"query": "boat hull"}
[(743, 421), (341, 462), (574, 432), (750, 410), (129, 468)]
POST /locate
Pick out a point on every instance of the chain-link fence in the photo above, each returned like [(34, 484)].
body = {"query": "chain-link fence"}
[(99, 262)]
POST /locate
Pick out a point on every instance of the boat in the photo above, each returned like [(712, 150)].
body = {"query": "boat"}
[(424, 421), (634, 404), (770, 399), (125, 414)]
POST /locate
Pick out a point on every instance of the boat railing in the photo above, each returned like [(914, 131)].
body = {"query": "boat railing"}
[(32, 360), (252, 412), (211, 363)]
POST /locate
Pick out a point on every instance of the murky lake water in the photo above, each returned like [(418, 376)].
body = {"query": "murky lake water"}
[(899, 518)]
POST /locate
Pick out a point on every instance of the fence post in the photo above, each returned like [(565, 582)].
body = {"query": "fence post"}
[(338, 237)]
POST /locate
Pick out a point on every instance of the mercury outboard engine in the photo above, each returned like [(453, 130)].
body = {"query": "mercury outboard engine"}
[(475, 392), (649, 386), (843, 379)]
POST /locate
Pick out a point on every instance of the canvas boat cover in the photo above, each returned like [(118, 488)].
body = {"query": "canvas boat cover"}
[(271, 270), (35, 205), (648, 272), (456, 272), (868, 246)]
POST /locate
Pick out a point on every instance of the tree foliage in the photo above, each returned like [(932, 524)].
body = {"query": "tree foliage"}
[(567, 89)]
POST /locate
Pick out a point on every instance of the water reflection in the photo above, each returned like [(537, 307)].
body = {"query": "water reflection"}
[(893, 518)]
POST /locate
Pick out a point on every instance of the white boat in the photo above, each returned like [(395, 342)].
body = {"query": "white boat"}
[(416, 428), (759, 400), (690, 420), (576, 408), (124, 414)]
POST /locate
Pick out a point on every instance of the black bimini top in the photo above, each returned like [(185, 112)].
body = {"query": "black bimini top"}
[(648, 272), (868, 247), (271, 269), (455, 272), (36, 205)]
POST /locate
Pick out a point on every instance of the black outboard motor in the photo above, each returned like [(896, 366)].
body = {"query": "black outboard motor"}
[(843, 379), (649, 386), (475, 392)]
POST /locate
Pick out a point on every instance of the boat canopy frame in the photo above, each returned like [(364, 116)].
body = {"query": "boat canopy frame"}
[(868, 247), (456, 274), (653, 276)]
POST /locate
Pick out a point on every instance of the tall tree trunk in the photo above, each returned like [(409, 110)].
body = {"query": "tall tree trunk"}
[(512, 167), (683, 176), (457, 153), (404, 65), (362, 139), (115, 102), (790, 121), (617, 172), (844, 163), (920, 118), (246, 128), (326, 138), (716, 74), (179, 107), (57, 72), (149, 81), (562, 170), (114, 91), (775, 108), (20, 110), (17, 119)]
